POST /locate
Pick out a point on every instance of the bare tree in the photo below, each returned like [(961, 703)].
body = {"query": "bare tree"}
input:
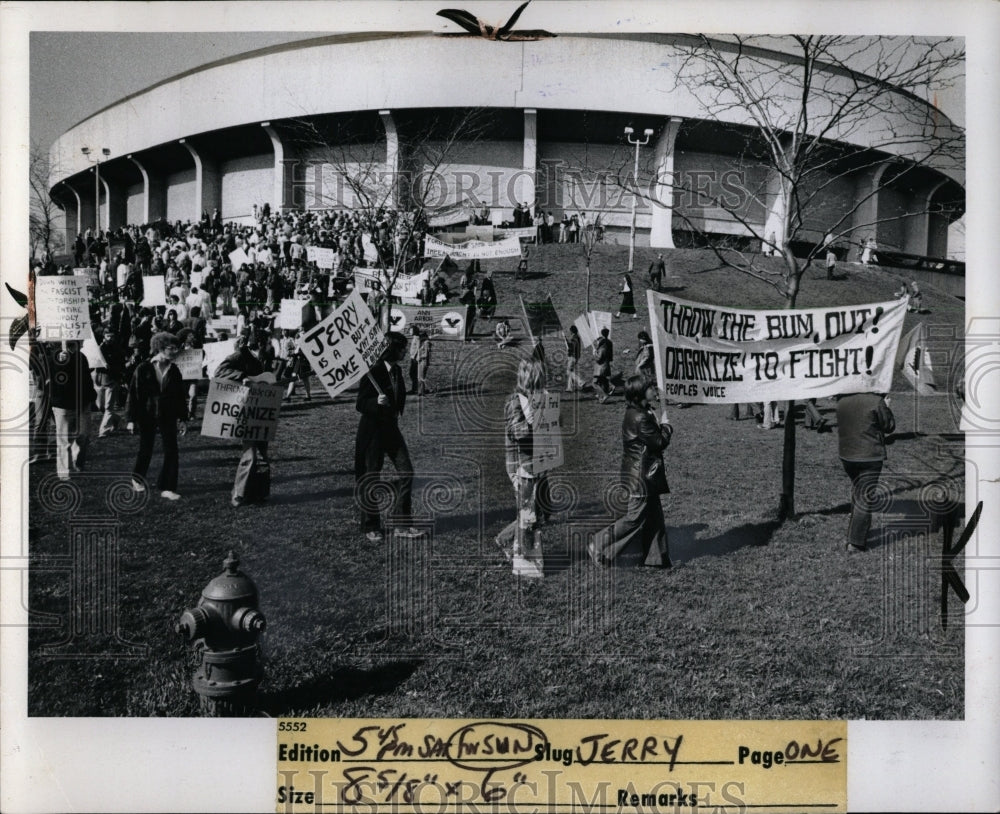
[(360, 173), (43, 212), (799, 114)]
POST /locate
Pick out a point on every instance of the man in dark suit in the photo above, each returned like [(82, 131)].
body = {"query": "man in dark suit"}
[(381, 400)]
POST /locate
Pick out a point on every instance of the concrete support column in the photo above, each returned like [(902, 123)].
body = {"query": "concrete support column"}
[(866, 214), (925, 233), (524, 189), (154, 194), (70, 200), (283, 191), (661, 234), (115, 205), (85, 195), (207, 182), (392, 158)]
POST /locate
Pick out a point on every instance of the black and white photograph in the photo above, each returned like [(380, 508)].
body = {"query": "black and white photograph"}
[(527, 361)]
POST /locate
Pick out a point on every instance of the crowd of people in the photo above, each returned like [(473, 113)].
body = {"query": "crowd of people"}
[(136, 375)]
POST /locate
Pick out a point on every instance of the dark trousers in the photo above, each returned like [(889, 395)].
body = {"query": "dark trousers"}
[(864, 477), (370, 489), (639, 537), (167, 481)]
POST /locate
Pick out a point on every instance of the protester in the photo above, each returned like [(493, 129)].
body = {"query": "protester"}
[(639, 537), (645, 364), (628, 298), (604, 355), (156, 402), (863, 421), (574, 347), (916, 302), (72, 396), (521, 539), (423, 362), (413, 365), (657, 270), (40, 403), (502, 334), (381, 401), (253, 472), (487, 297)]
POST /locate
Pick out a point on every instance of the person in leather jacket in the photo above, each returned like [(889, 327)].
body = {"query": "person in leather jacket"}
[(639, 537)]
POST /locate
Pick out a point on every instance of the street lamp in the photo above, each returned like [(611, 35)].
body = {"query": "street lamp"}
[(631, 240), (97, 183)]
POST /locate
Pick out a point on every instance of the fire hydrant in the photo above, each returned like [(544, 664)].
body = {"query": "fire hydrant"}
[(225, 628)]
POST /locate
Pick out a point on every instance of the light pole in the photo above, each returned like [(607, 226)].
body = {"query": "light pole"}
[(97, 184), (631, 239)]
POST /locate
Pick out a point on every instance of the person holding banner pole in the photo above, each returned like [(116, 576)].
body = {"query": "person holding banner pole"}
[(156, 400), (639, 537), (381, 401)]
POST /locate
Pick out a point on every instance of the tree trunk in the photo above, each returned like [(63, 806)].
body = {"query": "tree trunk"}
[(786, 503), (588, 285)]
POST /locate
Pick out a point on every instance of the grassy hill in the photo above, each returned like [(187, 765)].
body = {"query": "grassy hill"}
[(755, 619)]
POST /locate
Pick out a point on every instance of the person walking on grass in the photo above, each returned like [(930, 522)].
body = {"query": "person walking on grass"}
[(604, 355), (639, 537), (863, 422), (157, 400)]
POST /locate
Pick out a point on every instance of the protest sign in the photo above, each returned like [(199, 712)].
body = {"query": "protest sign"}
[(456, 213), (370, 279), (711, 354), (215, 352), (916, 361), (541, 317), (189, 362), (321, 256), (62, 308), (90, 349), (292, 314), (368, 249), (472, 249), (598, 321), (93, 276), (246, 412), (546, 436), (343, 346), (586, 332), (522, 233), (436, 321), (154, 291), (409, 286), (238, 258)]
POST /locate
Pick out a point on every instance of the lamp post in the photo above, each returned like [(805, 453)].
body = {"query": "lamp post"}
[(96, 161), (631, 240)]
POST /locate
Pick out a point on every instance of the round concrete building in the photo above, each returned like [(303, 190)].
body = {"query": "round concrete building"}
[(229, 136)]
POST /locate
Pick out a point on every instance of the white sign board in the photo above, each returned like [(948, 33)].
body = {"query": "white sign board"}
[(323, 257), (62, 308), (154, 291), (546, 435), (189, 362), (291, 315), (246, 412), (343, 347), (215, 352), (238, 258)]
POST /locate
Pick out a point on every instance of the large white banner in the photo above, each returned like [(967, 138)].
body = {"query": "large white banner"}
[(523, 232), (472, 249), (365, 279), (62, 308), (457, 213), (710, 354), (343, 346), (440, 321)]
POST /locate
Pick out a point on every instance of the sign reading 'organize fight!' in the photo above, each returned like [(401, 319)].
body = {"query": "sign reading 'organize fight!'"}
[(710, 354)]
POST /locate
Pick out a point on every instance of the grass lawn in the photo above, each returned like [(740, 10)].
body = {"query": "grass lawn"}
[(755, 620)]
